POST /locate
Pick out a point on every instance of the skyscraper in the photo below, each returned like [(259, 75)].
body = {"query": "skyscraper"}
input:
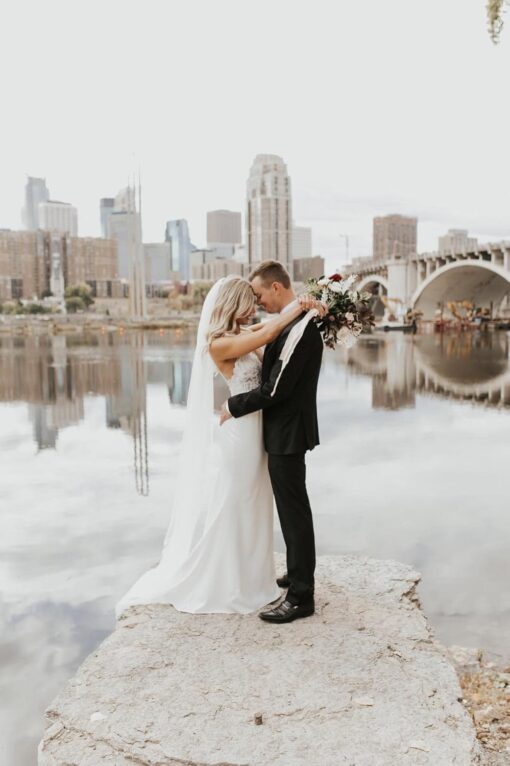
[(394, 236), (36, 191), (106, 205), (223, 228), (456, 241), (301, 242), (306, 268), (118, 228), (131, 198), (177, 233), (269, 212), (59, 217), (158, 262)]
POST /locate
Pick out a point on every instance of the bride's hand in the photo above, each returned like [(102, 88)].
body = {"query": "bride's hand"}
[(224, 415), (307, 302)]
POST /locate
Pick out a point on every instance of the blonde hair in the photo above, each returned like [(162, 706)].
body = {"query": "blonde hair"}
[(236, 299)]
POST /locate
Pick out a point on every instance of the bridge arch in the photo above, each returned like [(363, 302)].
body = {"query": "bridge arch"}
[(477, 281), (372, 279), (368, 283)]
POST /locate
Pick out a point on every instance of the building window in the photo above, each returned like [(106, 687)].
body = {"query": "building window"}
[(16, 288)]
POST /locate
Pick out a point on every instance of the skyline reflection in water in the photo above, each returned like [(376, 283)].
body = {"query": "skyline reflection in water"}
[(412, 466)]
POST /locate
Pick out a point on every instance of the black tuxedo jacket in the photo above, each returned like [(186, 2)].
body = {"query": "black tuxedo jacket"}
[(290, 416)]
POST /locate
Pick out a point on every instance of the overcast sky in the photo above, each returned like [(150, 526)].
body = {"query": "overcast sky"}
[(378, 106)]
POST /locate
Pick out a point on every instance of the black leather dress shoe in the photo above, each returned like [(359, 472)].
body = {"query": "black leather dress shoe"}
[(283, 581), (286, 612)]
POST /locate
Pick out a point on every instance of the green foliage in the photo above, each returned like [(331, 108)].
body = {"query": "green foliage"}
[(75, 303), (199, 292), (10, 308), (36, 308), (81, 291), (20, 308), (191, 300), (78, 298), (349, 312)]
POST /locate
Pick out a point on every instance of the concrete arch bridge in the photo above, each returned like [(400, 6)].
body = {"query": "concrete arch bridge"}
[(428, 282)]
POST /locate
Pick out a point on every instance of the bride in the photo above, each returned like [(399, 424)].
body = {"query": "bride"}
[(218, 550)]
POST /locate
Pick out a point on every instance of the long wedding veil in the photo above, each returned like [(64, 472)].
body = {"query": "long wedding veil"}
[(195, 464)]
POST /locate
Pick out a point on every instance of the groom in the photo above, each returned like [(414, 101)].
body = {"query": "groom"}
[(290, 429)]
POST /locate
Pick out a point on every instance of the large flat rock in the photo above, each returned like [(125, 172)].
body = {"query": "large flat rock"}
[(360, 683)]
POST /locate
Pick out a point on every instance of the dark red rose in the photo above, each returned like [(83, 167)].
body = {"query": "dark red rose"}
[(335, 277)]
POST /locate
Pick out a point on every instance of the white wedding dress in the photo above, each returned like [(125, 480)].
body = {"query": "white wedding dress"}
[(218, 553)]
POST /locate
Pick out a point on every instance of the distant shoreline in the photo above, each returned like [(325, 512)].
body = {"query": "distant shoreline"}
[(57, 323)]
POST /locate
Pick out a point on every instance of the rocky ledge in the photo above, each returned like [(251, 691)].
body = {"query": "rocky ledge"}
[(361, 683)]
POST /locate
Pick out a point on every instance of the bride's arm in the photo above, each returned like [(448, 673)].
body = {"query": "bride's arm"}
[(254, 327), (234, 346)]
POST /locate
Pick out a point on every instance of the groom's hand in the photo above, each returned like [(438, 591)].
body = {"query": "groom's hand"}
[(224, 415)]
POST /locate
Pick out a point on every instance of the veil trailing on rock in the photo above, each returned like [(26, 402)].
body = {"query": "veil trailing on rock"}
[(196, 471)]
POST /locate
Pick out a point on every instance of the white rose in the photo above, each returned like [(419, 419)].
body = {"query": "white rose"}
[(336, 287), (349, 316), (347, 283), (346, 338), (324, 282)]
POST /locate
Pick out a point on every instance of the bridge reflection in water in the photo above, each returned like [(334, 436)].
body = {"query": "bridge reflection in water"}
[(472, 367), (54, 375)]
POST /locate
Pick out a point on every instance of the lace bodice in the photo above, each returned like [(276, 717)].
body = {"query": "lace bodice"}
[(246, 374)]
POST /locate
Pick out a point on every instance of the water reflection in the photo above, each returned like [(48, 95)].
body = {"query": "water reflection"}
[(54, 374), (88, 419), (470, 366)]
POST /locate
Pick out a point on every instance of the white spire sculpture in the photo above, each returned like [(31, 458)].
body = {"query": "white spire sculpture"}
[(137, 297)]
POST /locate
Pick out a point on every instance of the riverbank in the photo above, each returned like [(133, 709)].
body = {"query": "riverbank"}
[(75, 323), (363, 681)]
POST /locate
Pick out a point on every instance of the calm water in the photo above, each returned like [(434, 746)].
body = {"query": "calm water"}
[(414, 465)]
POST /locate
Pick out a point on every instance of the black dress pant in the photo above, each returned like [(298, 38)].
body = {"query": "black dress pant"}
[(288, 478)]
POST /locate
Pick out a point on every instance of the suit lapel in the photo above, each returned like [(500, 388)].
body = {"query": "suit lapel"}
[(273, 349)]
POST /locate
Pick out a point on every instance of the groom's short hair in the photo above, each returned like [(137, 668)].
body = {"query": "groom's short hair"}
[(271, 271)]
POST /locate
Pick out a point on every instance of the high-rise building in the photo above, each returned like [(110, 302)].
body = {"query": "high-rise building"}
[(36, 191), (59, 217), (456, 241), (33, 264), (240, 254), (223, 228), (301, 242), (205, 265), (18, 264), (118, 228), (92, 260), (106, 206), (306, 268), (177, 233), (158, 262), (394, 236), (269, 212)]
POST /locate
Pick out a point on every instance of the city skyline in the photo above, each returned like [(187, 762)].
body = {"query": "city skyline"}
[(370, 123)]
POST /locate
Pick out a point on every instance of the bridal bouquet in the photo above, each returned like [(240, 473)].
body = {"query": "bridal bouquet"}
[(348, 310)]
